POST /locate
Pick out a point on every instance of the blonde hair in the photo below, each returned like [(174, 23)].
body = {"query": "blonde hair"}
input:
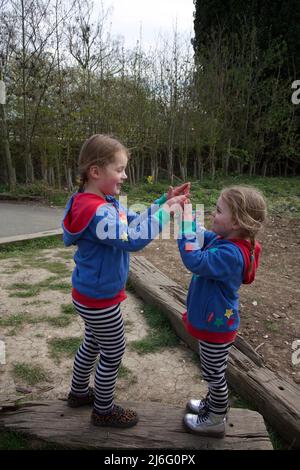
[(249, 209), (99, 149)]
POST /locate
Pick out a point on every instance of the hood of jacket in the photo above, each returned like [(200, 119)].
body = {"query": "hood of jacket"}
[(245, 247), (80, 210)]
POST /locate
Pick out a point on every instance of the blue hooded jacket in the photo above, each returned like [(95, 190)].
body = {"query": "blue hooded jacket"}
[(104, 232), (219, 267)]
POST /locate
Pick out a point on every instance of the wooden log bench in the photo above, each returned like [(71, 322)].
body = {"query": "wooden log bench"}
[(275, 397), (159, 427)]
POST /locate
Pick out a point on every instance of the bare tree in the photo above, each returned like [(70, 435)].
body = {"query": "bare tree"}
[(7, 36)]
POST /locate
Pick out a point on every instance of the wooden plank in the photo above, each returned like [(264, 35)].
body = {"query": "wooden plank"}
[(159, 427), (276, 398)]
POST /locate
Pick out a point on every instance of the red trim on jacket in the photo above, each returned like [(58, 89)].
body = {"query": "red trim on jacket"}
[(206, 335), (98, 303)]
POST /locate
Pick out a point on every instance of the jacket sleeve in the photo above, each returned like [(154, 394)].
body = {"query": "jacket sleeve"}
[(111, 227), (214, 263), (208, 237)]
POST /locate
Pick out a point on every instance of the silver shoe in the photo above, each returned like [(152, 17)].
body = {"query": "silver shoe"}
[(197, 406), (206, 424)]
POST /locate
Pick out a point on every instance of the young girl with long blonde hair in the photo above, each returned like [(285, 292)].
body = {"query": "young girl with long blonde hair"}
[(229, 257)]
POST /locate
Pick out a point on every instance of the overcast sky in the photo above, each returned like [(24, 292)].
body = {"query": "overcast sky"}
[(154, 16)]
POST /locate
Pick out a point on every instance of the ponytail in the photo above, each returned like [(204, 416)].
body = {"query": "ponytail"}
[(82, 181)]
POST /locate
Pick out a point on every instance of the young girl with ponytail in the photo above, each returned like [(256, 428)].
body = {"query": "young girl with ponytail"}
[(228, 257), (105, 233)]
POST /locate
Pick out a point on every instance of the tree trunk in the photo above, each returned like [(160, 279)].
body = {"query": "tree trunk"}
[(183, 171), (154, 166), (212, 161), (142, 166), (195, 169), (227, 157), (44, 168), (28, 161), (51, 176), (27, 154), (200, 167), (170, 165), (138, 167), (7, 155), (70, 180), (264, 169), (279, 170), (58, 172)]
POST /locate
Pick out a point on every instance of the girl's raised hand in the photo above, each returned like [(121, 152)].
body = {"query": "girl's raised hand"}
[(183, 189), (176, 203)]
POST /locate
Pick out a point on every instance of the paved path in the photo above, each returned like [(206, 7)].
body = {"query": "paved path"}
[(19, 219)]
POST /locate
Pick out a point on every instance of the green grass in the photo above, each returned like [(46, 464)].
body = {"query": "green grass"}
[(271, 325), (37, 303), (41, 189), (60, 321), (25, 289), (13, 332), (67, 347), (63, 286), (126, 374), (30, 247), (23, 292), (68, 309), (124, 371), (239, 402), (68, 255), (11, 440), (30, 374), (20, 319), (54, 267), (161, 334), (282, 194), (13, 268), (195, 358), (129, 286)]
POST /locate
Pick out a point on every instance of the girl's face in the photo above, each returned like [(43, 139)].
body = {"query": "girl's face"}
[(110, 177), (222, 221)]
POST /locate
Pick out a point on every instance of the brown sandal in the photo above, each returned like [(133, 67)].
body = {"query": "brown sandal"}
[(118, 418), (75, 401)]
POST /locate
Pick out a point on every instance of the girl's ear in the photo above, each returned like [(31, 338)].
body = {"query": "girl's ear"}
[(235, 225), (94, 171)]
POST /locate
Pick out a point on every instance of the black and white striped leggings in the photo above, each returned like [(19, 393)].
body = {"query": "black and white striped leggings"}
[(213, 357), (104, 335)]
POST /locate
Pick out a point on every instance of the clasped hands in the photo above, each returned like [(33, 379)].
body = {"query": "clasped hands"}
[(178, 200)]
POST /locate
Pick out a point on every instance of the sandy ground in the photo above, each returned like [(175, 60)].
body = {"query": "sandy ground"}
[(168, 376)]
